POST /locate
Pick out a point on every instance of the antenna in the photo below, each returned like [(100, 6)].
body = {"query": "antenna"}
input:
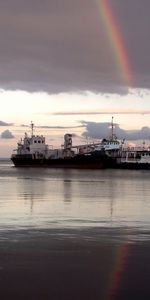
[(143, 145), (32, 128), (112, 128)]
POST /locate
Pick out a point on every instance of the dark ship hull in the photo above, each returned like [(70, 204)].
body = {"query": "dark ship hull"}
[(132, 166), (95, 160)]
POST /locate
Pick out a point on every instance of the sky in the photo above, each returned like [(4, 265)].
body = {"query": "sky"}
[(69, 66)]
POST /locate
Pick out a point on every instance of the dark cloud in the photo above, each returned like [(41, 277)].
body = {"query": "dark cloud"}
[(59, 46), (7, 135), (5, 124), (103, 130)]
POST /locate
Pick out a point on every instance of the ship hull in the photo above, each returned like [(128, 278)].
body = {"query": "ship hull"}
[(132, 166), (94, 161)]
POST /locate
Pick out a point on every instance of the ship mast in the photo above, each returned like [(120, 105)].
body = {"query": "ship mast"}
[(32, 128), (112, 128)]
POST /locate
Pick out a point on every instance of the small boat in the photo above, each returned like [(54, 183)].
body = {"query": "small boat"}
[(135, 158)]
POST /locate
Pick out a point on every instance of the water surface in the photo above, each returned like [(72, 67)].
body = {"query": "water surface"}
[(74, 234), (46, 198)]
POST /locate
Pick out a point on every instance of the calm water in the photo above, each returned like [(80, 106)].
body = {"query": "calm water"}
[(50, 198), (74, 234)]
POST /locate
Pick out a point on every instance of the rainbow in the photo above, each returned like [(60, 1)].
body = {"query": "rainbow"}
[(120, 265), (115, 277), (116, 40)]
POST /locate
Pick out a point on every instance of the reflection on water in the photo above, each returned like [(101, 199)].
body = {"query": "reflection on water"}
[(67, 190), (49, 197), (73, 264), (74, 234)]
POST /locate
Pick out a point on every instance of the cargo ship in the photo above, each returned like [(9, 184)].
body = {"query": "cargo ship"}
[(32, 151)]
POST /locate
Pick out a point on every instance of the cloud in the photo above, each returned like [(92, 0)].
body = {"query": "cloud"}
[(5, 124), (46, 46), (54, 127), (7, 135), (103, 130), (104, 112)]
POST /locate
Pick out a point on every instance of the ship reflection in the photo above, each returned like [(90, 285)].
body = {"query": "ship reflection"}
[(31, 189), (67, 190)]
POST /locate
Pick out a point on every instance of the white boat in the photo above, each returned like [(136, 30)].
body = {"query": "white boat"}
[(135, 158)]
